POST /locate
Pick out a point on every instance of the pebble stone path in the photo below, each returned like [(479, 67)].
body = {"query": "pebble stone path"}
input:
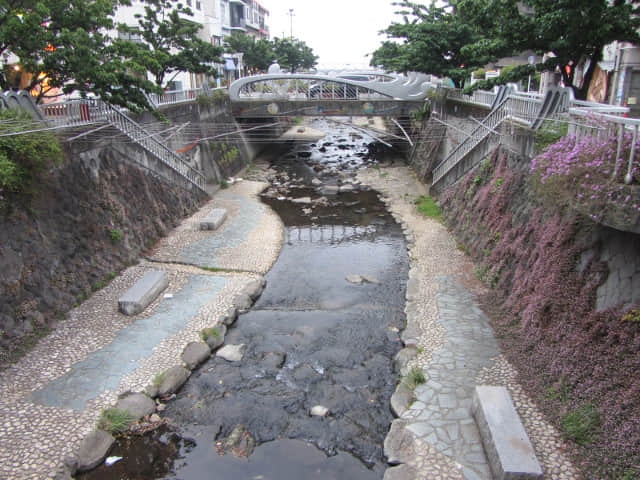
[(436, 437), (42, 421), (52, 397)]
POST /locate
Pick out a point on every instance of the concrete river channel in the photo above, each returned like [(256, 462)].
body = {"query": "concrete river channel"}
[(323, 334)]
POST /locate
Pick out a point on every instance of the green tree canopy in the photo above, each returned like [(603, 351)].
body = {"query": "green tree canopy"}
[(62, 44), (443, 37), (430, 40), (294, 54), (257, 54), (169, 43)]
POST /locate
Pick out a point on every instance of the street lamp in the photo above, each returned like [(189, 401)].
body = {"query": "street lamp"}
[(291, 15)]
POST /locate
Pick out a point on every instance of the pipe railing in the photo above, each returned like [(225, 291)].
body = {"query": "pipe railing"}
[(85, 112), (161, 151), (583, 124)]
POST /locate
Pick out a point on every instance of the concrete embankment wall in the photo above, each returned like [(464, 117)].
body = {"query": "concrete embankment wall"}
[(101, 209), (564, 287), (618, 251)]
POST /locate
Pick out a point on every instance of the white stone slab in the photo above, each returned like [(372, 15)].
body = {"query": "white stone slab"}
[(214, 219), (509, 451), (145, 291)]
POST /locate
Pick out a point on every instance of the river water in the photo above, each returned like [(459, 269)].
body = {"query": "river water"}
[(323, 334)]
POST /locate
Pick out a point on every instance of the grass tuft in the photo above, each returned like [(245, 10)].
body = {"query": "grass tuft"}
[(582, 425), (114, 420), (428, 207), (415, 377)]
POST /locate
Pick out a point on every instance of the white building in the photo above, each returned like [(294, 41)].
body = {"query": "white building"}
[(218, 18)]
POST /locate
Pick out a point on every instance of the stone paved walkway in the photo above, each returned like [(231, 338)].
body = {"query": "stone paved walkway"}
[(53, 396), (436, 437)]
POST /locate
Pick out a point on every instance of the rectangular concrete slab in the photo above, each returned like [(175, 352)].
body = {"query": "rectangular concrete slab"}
[(214, 219), (509, 451), (143, 292)]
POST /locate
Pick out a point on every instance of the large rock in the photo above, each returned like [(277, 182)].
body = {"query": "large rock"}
[(401, 399), (254, 288), (215, 336), (243, 302), (195, 353), (402, 358), (93, 450), (230, 317), (137, 404), (232, 353), (399, 444), (172, 380)]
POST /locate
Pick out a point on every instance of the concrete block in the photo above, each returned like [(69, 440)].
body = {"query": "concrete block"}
[(509, 451), (214, 219), (145, 291)]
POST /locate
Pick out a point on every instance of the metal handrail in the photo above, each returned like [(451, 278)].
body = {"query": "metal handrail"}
[(84, 112), (614, 126), (167, 156), (506, 109)]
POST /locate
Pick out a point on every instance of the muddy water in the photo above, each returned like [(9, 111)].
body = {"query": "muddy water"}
[(323, 334)]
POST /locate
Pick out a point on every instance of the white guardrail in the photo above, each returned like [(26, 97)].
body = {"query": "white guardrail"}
[(609, 126), (525, 108)]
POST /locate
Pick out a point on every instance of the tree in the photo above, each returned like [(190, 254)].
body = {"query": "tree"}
[(294, 54), (61, 44), (169, 43), (257, 54), (431, 42), (476, 32)]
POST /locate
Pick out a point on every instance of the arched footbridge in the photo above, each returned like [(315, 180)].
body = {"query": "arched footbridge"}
[(344, 94)]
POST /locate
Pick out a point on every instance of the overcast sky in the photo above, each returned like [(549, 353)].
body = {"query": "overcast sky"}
[(340, 32)]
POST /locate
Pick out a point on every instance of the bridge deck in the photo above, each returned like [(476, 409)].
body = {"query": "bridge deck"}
[(262, 108)]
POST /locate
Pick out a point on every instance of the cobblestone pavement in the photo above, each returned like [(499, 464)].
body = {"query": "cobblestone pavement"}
[(51, 399), (436, 437)]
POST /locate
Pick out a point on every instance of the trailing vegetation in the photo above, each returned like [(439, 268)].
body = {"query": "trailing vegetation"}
[(580, 364)]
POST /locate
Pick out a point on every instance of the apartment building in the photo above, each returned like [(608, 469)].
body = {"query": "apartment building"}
[(219, 19)]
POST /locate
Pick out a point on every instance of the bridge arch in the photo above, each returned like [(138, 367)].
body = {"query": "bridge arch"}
[(344, 86)]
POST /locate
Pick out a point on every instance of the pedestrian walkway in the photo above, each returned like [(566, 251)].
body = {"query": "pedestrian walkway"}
[(53, 396), (436, 437)]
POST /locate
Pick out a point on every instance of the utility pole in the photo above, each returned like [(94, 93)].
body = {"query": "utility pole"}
[(291, 15)]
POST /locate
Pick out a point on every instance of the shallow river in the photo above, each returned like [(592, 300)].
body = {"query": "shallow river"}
[(323, 334)]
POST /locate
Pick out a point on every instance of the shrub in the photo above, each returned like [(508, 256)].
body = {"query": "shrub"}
[(212, 332), (581, 425), (585, 176), (24, 158), (549, 133), (115, 235)]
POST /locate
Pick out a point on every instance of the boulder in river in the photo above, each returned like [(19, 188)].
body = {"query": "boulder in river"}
[(232, 353)]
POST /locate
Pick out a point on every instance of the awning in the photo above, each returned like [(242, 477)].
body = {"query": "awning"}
[(229, 64), (607, 65)]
